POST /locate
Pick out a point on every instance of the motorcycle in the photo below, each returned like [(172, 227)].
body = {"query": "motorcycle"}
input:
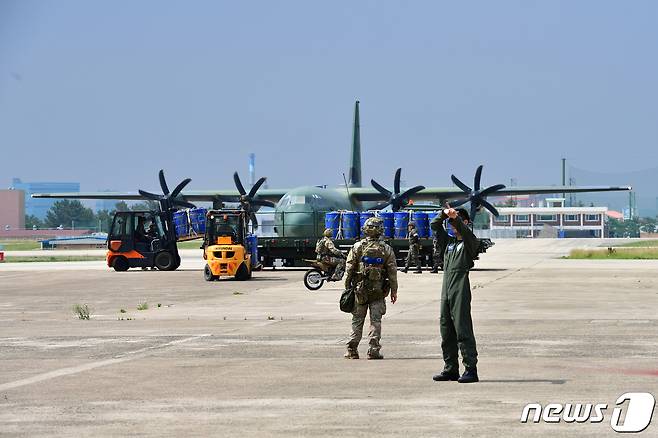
[(315, 277)]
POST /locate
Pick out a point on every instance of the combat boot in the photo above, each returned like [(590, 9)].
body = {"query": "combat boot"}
[(469, 376), (418, 271), (434, 271), (351, 353), (446, 377), (374, 354)]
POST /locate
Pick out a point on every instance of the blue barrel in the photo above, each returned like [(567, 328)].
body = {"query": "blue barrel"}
[(364, 216), (252, 247), (401, 224), (422, 224), (180, 223), (198, 220), (350, 224), (388, 217), (332, 221), (430, 217)]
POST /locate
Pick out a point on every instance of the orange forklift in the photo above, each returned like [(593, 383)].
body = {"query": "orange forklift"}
[(142, 239), (147, 239)]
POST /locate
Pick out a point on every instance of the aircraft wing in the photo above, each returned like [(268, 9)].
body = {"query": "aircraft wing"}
[(189, 195), (449, 193)]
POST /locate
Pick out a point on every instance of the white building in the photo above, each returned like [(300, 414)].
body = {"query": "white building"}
[(552, 220)]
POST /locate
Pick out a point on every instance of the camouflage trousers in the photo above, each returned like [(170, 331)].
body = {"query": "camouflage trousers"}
[(437, 256), (338, 264), (413, 256), (377, 310)]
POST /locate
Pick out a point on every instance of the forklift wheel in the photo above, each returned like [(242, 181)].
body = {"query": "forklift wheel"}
[(208, 275), (243, 273), (120, 264), (164, 261)]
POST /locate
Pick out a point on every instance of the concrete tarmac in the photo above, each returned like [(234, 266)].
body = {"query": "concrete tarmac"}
[(264, 357)]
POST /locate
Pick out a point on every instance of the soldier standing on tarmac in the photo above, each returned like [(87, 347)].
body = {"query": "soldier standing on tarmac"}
[(371, 271), (414, 249), (461, 248), (437, 255)]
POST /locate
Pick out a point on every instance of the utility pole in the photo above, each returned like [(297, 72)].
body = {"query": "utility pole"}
[(564, 174)]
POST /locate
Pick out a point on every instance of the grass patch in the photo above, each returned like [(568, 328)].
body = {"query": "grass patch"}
[(20, 245), (641, 244), (82, 311), (29, 259), (143, 306), (615, 254), (190, 244)]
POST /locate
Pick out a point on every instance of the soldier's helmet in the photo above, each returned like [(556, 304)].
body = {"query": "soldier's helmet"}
[(412, 225), (328, 233), (373, 227)]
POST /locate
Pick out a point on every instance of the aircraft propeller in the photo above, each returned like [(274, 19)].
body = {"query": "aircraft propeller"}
[(476, 196), (396, 199), (168, 200), (248, 200)]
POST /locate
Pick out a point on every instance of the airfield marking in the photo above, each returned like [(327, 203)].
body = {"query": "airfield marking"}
[(124, 357)]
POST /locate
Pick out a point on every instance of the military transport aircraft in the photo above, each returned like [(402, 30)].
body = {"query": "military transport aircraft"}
[(297, 208)]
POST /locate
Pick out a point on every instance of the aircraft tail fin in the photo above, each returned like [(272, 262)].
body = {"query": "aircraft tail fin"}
[(355, 156)]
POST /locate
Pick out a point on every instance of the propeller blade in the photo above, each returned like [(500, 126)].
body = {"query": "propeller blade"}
[(489, 207), (458, 202), (478, 177), (256, 186), (263, 203), (163, 182), (411, 191), (238, 184), (149, 195), (492, 189), (396, 181), (381, 189), (460, 184), (180, 187), (474, 210), (254, 219), (181, 203)]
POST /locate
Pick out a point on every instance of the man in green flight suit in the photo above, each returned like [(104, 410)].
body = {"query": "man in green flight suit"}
[(461, 246), (414, 249), (372, 272)]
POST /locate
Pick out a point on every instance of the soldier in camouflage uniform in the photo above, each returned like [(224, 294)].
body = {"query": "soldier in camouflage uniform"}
[(437, 255), (372, 272), (461, 248), (414, 249), (327, 253)]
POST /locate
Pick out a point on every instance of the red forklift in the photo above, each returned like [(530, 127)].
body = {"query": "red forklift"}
[(142, 239), (147, 239)]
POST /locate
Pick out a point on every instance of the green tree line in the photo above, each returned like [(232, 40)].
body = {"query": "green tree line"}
[(73, 214)]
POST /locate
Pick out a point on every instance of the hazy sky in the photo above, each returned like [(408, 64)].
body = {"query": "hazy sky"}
[(108, 92)]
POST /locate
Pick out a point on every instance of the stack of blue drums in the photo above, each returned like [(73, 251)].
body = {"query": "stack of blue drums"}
[(332, 221), (364, 216), (388, 217), (422, 224), (350, 224), (252, 247), (197, 220), (430, 217), (401, 224), (180, 223)]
